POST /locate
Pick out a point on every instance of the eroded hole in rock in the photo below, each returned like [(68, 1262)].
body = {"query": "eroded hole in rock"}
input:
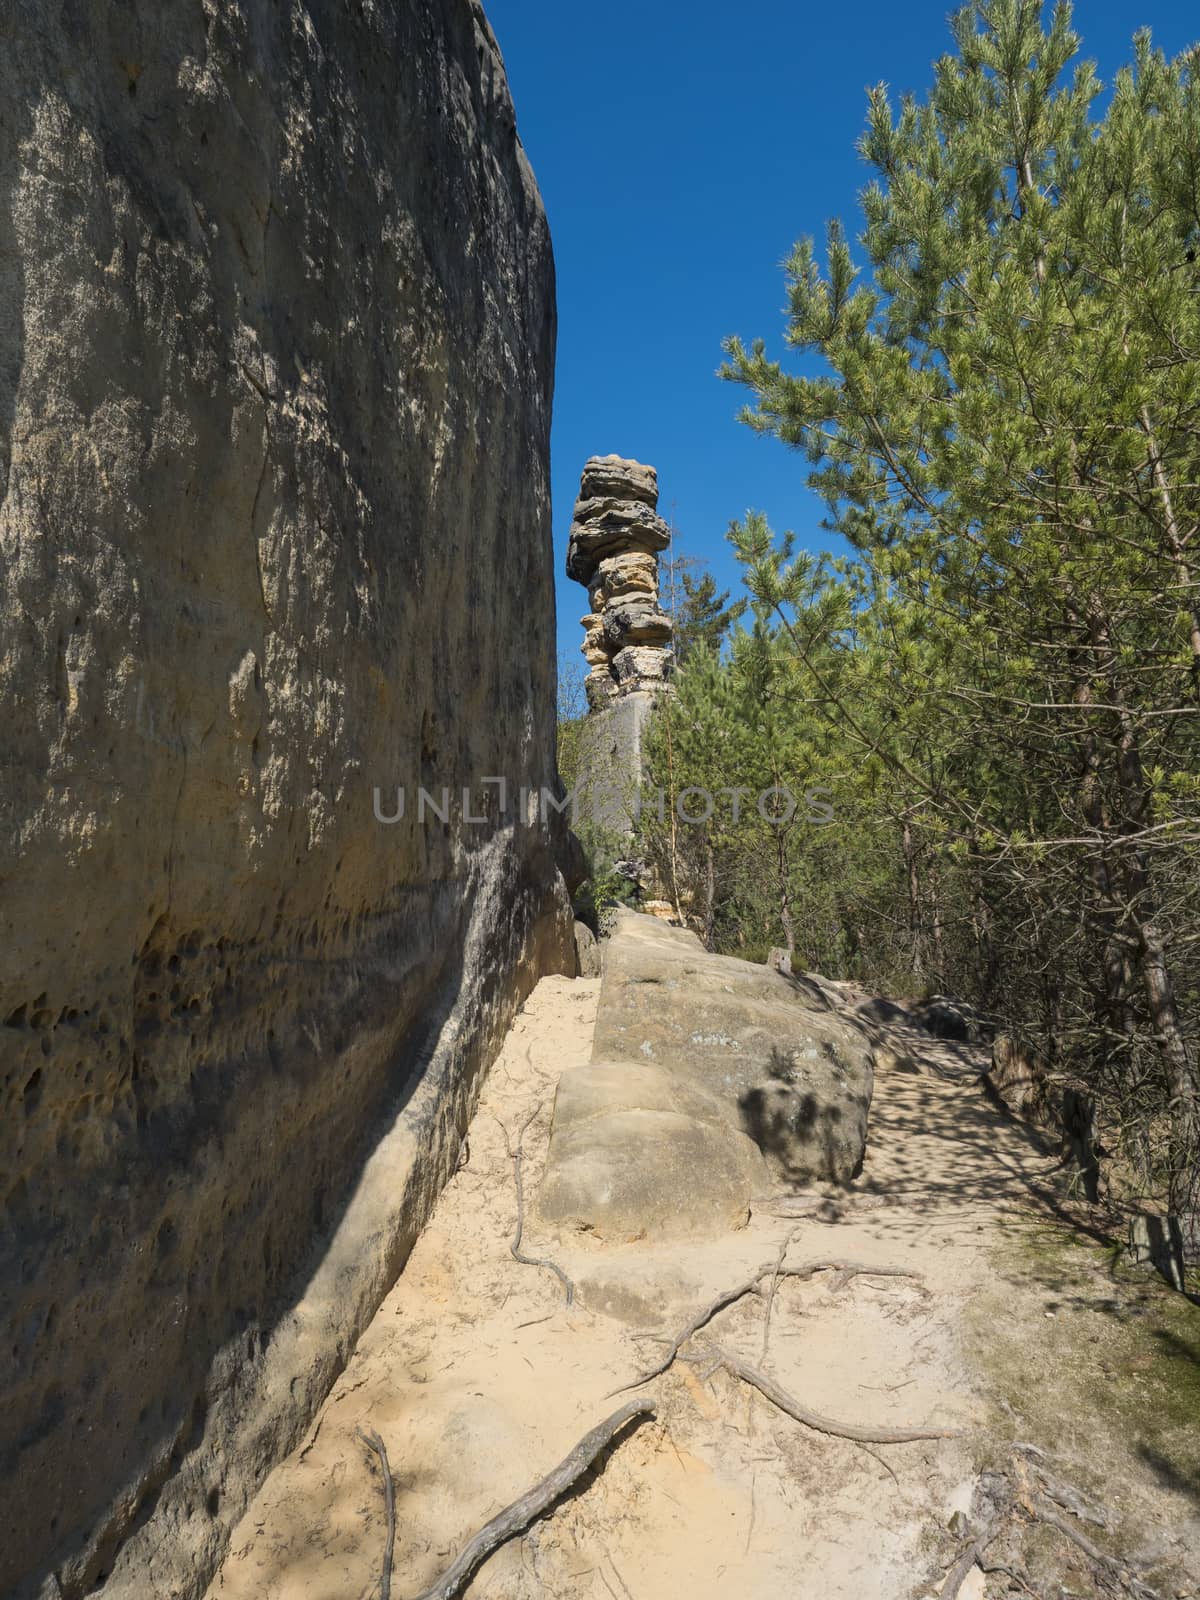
[(32, 1093)]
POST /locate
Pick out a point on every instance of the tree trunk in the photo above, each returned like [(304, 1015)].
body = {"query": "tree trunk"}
[(1175, 541), (785, 893), (1138, 942), (1157, 983), (935, 906), (916, 954), (710, 889)]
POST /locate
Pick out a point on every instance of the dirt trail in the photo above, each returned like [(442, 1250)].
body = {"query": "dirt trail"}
[(480, 1379)]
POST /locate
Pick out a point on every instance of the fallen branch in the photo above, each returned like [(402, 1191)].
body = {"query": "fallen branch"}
[(517, 1517), (771, 1269), (373, 1442), (813, 1419), (515, 1247)]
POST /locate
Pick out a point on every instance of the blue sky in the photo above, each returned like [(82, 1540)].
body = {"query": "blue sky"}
[(680, 149)]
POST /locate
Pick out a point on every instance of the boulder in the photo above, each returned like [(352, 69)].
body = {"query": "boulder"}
[(954, 1020), (887, 1013), (792, 1073), (1020, 1078), (639, 1152)]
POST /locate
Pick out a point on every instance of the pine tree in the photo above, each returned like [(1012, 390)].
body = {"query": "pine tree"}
[(1005, 431), (701, 618)]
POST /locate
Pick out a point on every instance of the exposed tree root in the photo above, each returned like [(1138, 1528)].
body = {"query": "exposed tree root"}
[(515, 1247), (971, 1555), (772, 1269), (373, 1442), (813, 1419), (517, 1517), (1069, 1499)]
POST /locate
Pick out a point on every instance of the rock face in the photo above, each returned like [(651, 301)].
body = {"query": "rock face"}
[(275, 376), (711, 1079), (587, 952), (1021, 1079), (616, 536)]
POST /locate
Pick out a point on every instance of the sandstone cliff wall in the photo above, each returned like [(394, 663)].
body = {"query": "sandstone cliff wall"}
[(276, 345)]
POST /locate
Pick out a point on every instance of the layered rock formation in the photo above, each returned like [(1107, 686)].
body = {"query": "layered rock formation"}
[(616, 537), (275, 375), (711, 1080)]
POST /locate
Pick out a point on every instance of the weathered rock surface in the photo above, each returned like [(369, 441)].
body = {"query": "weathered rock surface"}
[(710, 1079), (631, 622), (793, 1073), (610, 763), (633, 572), (602, 529), (587, 952), (617, 479), (638, 667), (275, 376), (638, 1152), (888, 1013)]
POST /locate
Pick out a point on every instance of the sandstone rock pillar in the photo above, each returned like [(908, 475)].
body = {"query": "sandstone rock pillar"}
[(616, 535), (616, 538)]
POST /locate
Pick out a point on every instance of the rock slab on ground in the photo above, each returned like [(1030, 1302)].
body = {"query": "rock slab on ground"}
[(711, 1078), (636, 1152), (796, 1075)]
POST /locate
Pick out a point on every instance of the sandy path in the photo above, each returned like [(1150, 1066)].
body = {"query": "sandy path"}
[(480, 1379)]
